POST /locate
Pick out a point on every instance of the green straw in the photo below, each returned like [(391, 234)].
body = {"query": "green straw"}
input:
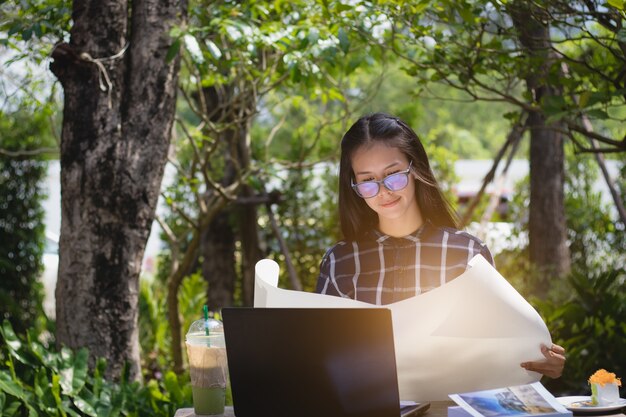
[(206, 319)]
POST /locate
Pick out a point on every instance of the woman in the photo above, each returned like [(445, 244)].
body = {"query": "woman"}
[(400, 234)]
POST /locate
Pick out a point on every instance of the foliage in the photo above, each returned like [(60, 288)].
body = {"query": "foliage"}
[(37, 380), (27, 112), (597, 242), (22, 130), (153, 326), (590, 323), (154, 334), (30, 28), (596, 238), (307, 205), (473, 46), (299, 71), (591, 318), (586, 312), (21, 247)]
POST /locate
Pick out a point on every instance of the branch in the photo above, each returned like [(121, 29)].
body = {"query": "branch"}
[(514, 136), (273, 132), (619, 144), (27, 153), (607, 178), (293, 276)]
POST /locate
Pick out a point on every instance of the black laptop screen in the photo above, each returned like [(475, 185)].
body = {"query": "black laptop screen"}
[(311, 362)]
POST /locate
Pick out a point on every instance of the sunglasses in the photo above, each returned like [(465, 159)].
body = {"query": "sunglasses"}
[(393, 182)]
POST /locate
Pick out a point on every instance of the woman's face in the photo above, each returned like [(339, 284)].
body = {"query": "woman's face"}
[(397, 210)]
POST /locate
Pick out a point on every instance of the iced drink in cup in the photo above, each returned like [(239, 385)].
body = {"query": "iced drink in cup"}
[(207, 366)]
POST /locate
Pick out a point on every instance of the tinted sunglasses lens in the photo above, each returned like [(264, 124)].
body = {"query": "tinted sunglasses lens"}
[(367, 189), (396, 182)]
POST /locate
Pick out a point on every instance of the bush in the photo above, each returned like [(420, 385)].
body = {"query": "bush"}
[(23, 129), (37, 381), (591, 325), (21, 246)]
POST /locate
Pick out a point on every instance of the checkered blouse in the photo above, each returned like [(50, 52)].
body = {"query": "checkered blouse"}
[(381, 269)]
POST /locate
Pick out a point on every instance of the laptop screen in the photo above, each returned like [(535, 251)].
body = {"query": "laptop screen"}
[(311, 362)]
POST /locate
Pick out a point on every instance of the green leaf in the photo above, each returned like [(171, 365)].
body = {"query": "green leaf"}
[(11, 387), (193, 48), (80, 370), (213, 49), (313, 36), (553, 104), (9, 336), (621, 35), (27, 34), (176, 32), (37, 30), (436, 76), (618, 4), (32, 412), (597, 114), (584, 99), (41, 383), (69, 409), (419, 8), (344, 42), (335, 95), (154, 390), (466, 14), (342, 7), (56, 394), (84, 406), (173, 387), (117, 401), (173, 51), (98, 375), (12, 408), (66, 370)]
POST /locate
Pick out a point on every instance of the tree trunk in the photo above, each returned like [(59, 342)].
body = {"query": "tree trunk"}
[(118, 114), (548, 248), (549, 253), (218, 265), (229, 106), (250, 248)]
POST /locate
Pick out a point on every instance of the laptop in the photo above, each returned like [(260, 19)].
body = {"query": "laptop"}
[(317, 362)]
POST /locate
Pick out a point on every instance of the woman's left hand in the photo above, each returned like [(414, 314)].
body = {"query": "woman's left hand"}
[(552, 366)]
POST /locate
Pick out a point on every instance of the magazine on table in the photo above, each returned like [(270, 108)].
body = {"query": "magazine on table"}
[(518, 401)]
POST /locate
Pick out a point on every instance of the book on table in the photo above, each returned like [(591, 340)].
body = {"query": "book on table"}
[(528, 400)]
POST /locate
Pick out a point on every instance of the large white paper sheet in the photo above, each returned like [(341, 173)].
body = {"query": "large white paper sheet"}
[(468, 335)]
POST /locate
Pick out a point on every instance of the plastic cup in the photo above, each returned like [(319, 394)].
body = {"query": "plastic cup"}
[(208, 367)]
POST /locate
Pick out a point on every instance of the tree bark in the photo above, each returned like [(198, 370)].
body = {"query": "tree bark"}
[(250, 247), (218, 265), (549, 253), (118, 112)]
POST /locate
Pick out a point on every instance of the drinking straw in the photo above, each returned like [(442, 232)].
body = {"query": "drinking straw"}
[(206, 319)]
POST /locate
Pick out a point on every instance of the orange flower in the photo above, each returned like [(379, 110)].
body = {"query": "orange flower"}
[(602, 377)]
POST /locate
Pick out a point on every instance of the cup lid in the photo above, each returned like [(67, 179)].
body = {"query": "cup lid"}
[(199, 327)]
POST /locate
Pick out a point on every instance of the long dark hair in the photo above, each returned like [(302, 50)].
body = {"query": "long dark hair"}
[(354, 214)]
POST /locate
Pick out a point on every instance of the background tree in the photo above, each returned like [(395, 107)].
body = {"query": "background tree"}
[(119, 96), (236, 56), (489, 50), (547, 231), (27, 140), (268, 88), (21, 215)]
